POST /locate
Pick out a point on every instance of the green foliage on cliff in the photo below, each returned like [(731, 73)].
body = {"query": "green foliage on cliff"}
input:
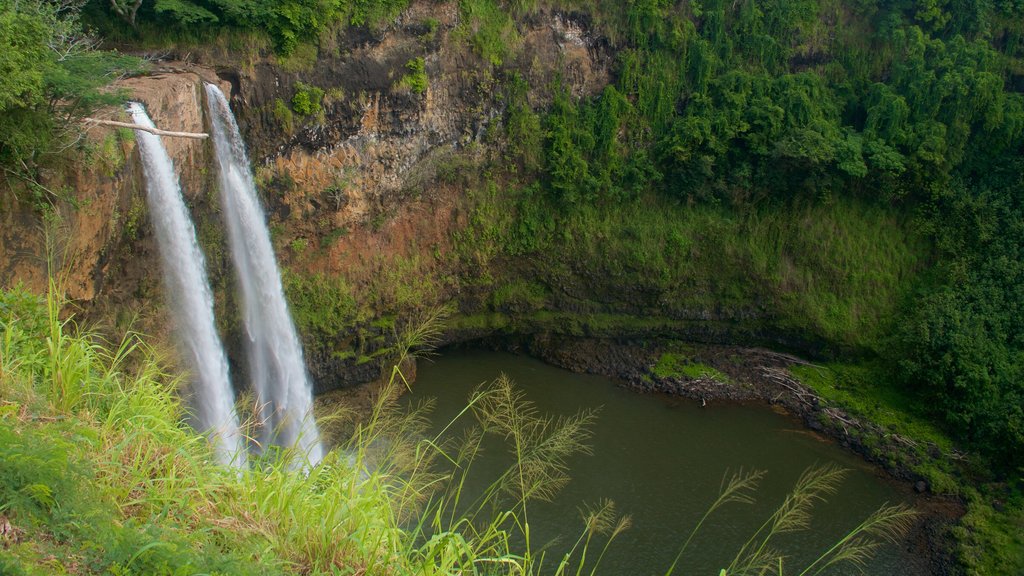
[(287, 22), (749, 110), (322, 307), (416, 78), (52, 77), (832, 272), (307, 100), (488, 26)]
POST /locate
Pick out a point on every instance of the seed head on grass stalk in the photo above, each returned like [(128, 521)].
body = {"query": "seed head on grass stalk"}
[(738, 489), (540, 445), (757, 557), (599, 520), (887, 524), (793, 514)]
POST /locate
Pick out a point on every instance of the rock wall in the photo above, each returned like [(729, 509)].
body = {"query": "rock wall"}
[(371, 160), (85, 241), (364, 172)]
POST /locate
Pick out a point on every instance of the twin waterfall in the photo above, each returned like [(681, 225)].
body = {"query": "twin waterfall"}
[(275, 355), (279, 381)]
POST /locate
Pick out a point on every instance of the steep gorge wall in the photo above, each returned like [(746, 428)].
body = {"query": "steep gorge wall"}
[(99, 243), (367, 181)]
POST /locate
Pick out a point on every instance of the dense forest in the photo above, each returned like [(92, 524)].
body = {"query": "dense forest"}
[(909, 109)]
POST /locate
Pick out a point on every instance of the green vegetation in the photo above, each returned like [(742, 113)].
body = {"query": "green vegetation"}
[(307, 100), (288, 22), (322, 308), (100, 475), (672, 365), (416, 80), (991, 534), (864, 391), (835, 271), (53, 77), (489, 29), (283, 115), (519, 295), (842, 176), (850, 173)]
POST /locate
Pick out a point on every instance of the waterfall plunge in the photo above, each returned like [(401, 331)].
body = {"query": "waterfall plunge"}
[(189, 295), (278, 372)]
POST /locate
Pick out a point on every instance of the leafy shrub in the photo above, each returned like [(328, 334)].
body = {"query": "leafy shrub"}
[(307, 100), (416, 79)]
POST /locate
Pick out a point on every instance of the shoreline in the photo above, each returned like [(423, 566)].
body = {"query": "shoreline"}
[(758, 376)]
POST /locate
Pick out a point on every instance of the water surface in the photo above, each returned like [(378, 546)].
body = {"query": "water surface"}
[(662, 460)]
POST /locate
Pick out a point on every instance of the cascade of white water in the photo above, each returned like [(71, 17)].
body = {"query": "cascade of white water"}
[(189, 296), (278, 372)]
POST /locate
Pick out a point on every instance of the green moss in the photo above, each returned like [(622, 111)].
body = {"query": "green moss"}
[(333, 236), (520, 295), (322, 307), (672, 365), (283, 115), (484, 321), (301, 59)]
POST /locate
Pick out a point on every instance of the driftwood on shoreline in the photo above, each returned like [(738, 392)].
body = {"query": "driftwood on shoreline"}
[(157, 131)]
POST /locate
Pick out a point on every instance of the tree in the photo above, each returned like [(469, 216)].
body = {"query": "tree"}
[(51, 71), (126, 10), (23, 57)]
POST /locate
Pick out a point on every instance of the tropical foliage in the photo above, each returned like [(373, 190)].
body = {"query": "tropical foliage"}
[(52, 76)]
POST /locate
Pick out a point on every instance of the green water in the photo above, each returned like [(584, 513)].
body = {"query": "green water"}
[(661, 460)]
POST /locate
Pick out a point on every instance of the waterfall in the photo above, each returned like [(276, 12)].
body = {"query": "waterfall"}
[(189, 296), (278, 373)]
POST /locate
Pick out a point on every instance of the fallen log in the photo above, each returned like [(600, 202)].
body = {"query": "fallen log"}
[(157, 131)]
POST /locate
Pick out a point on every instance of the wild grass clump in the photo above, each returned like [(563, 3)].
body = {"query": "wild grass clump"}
[(101, 474)]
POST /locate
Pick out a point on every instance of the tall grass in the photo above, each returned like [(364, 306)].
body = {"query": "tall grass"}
[(99, 473)]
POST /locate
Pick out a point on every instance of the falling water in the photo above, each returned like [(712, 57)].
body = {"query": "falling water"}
[(189, 294), (277, 370)]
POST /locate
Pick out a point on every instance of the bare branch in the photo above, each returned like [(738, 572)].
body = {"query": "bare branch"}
[(157, 131)]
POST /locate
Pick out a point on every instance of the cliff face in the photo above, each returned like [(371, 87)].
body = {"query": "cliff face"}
[(374, 154), (373, 176), (87, 238)]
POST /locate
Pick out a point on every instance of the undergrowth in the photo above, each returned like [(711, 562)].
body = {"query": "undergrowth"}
[(831, 271)]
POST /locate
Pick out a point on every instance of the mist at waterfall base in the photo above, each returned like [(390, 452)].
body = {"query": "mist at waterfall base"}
[(274, 353), (661, 460), (189, 297)]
